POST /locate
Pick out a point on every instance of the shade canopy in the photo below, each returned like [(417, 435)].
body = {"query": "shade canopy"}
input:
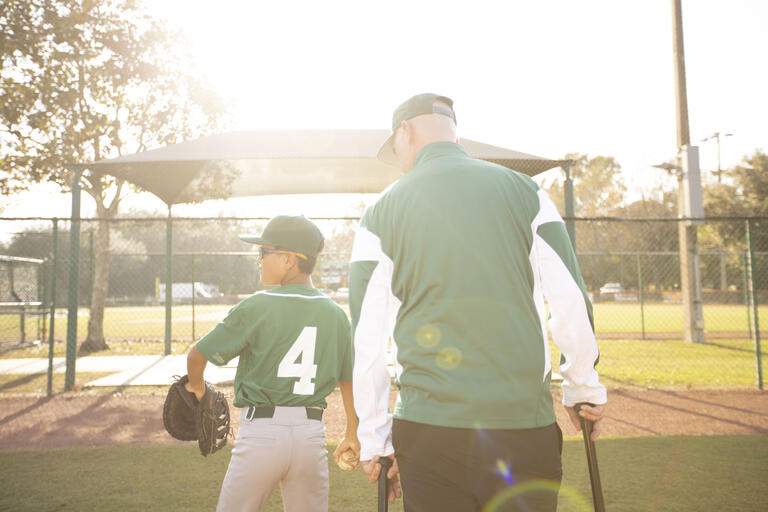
[(280, 162)]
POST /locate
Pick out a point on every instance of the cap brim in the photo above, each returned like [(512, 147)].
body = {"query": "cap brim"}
[(253, 239), (387, 152)]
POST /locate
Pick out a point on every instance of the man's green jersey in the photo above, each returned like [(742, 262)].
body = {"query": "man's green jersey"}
[(294, 345), (454, 263)]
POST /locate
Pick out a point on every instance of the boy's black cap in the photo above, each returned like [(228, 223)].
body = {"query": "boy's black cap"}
[(416, 106), (297, 234)]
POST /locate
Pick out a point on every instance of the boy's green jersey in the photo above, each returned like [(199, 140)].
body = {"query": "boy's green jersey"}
[(294, 345)]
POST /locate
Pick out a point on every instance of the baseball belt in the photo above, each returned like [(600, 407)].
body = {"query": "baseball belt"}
[(268, 411)]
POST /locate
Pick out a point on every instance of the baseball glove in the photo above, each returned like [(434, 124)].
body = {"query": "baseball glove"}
[(205, 421), (212, 421)]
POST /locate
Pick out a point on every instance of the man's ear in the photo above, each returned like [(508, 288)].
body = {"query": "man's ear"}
[(405, 126)]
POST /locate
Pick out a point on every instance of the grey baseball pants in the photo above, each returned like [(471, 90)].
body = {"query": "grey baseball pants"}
[(289, 449)]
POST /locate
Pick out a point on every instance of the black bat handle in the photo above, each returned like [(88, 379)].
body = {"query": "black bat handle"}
[(386, 463), (594, 472)]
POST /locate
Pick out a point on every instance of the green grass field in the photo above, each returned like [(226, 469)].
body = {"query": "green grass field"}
[(659, 362), (647, 473), (148, 322)]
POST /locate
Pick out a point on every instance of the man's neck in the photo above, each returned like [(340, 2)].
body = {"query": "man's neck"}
[(421, 144)]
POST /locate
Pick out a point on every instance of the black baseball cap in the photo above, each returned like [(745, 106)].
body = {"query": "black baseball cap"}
[(292, 233), (418, 105)]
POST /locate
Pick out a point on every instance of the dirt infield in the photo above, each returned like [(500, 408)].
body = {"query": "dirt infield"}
[(81, 420)]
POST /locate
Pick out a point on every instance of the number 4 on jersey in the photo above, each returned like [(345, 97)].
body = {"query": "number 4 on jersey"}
[(306, 370)]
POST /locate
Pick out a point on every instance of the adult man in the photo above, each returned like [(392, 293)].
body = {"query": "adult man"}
[(455, 262)]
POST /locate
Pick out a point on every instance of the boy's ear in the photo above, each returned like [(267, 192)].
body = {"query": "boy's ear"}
[(290, 261)]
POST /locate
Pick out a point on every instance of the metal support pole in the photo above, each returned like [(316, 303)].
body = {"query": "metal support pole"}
[(640, 292), (74, 282), (168, 281), (723, 272), (687, 234), (746, 292), (193, 297), (753, 290), (569, 209), (54, 257), (681, 95)]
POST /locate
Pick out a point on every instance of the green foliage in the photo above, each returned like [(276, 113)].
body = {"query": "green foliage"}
[(597, 185), (86, 80), (672, 473)]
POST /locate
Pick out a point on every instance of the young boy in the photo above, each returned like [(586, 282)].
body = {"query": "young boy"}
[(294, 345)]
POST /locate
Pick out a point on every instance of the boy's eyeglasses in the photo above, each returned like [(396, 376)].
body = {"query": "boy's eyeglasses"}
[(264, 251)]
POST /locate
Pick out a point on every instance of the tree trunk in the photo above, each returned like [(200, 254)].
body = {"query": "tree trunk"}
[(102, 257)]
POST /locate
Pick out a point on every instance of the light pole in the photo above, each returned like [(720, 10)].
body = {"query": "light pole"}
[(717, 136)]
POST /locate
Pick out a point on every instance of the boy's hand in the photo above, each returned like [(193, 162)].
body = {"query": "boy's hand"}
[(347, 454), (198, 390)]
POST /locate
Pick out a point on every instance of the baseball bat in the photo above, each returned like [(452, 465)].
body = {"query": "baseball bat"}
[(386, 463), (594, 472)]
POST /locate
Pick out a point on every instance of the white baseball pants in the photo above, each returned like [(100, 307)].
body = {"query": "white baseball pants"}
[(288, 449)]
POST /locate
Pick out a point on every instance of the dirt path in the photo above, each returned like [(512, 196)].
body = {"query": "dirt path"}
[(81, 420)]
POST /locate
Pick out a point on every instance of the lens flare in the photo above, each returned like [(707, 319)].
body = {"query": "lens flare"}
[(428, 335), (504, 471), (448, 358), (567, 495)]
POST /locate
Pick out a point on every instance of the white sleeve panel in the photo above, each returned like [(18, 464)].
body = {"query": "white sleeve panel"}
[(570, 327), (547, 211), (370, 378), (541, 310), (366, 247)]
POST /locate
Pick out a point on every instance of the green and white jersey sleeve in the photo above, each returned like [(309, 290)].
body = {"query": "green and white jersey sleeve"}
[(294, 345), (455, 263), (373, 308), (558, 281)]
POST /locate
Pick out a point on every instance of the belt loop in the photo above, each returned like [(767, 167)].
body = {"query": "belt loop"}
[(250, 413)]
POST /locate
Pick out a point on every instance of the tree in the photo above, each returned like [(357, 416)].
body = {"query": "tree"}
[(85, 80), (597, 185), (744, 194)]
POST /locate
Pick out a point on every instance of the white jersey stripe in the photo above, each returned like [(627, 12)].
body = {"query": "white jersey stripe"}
[(294, 295), (367, 246), (374, 328), (570, 327)]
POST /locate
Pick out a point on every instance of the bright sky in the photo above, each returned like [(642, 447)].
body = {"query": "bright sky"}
[(546, 77)]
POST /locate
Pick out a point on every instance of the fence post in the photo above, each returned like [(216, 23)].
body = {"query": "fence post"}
[(753, 289), (54, 256), (168, 280), (42, 278), (74, 281), (640, 291), (746, 292), (193, 298), (569, 209)]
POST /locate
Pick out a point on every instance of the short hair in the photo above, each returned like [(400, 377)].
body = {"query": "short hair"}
[(307, 266)]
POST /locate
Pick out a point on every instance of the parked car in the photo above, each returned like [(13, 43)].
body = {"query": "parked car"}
[(608, 288)]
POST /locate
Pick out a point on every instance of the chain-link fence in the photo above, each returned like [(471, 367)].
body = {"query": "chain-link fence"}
[(631, 269)]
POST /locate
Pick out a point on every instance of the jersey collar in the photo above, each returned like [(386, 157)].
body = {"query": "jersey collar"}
[(437, 149), (299, 289)]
